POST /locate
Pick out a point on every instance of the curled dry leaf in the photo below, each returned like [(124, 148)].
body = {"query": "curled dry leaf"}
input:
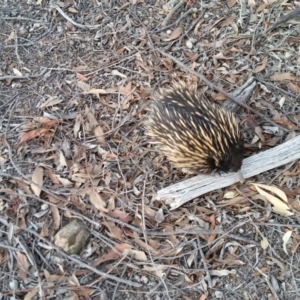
[(56, 216), (279, 205), (174, 35), (99, 134), (22, 264), (97, 91), (27, 136), (50, 102), (285, 239), (231, 3), (97, 201), (121, 215), (262, 66), (37, 180), (283, 76), (114, 231), (84, 86), (114, 253), (264, 243)]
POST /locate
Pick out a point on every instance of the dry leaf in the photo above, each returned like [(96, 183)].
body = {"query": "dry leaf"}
[(32, 134), (98, 91), (97, 201), (77, 125), (22, 264), (251, 3), (138, 255), (114, 231), (73, 10), (121, 215), (279, 206), (99, 134), (231, 3), (264, 243), (84, 86), (32, 293), (17, 72), (37, 178), (50, 102), (174, 35), (227, 21), (10, 37), (81, 77), (285, 239), (294, 87), (261, 66), (116, 252), (55, 215), (64, 181), (283, 76)]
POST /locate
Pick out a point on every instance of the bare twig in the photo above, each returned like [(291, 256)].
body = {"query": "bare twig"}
[(293, 14), (171, 13), (85, 27)]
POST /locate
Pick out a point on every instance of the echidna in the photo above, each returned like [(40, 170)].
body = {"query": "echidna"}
[(194, 133)]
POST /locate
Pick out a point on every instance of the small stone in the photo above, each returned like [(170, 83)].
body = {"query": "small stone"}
[(144, 279), (189, 44), (72, 237)]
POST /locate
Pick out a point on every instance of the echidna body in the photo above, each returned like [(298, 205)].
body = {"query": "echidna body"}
[(194, 133)]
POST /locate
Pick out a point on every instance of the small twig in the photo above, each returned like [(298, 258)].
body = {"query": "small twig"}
[(268, 282), (17, 49), (213, 86), (205, 265), (193, 25), (293, 14), (171, 13), (27, 77), (85, 27)]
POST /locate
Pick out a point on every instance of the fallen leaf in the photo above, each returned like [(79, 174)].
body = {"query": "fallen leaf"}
[(283, 76), (121, 215), (10, 37), (22, 264), (264, 243), (227, 21), (37, 178), (27, 136), (81, 77), (99, 134), (262, 66), (251, 3), (278, 205), (114, 231), (285, 239), (97, 201), (56, 216), (138, 255), (231, 3), (84, 86), (114, 253), (294, 87), (17, 72), (97, 91), (50, 102), (174, 35)]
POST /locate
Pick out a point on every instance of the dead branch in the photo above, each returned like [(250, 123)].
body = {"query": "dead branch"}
[(182, 192)]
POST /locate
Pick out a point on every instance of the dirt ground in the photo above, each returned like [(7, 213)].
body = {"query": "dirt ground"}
[(76, 79)]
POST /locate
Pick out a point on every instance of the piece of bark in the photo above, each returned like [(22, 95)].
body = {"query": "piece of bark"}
[(179, 193)]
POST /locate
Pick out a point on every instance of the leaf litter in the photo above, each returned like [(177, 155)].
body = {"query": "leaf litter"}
[(77, 144)]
